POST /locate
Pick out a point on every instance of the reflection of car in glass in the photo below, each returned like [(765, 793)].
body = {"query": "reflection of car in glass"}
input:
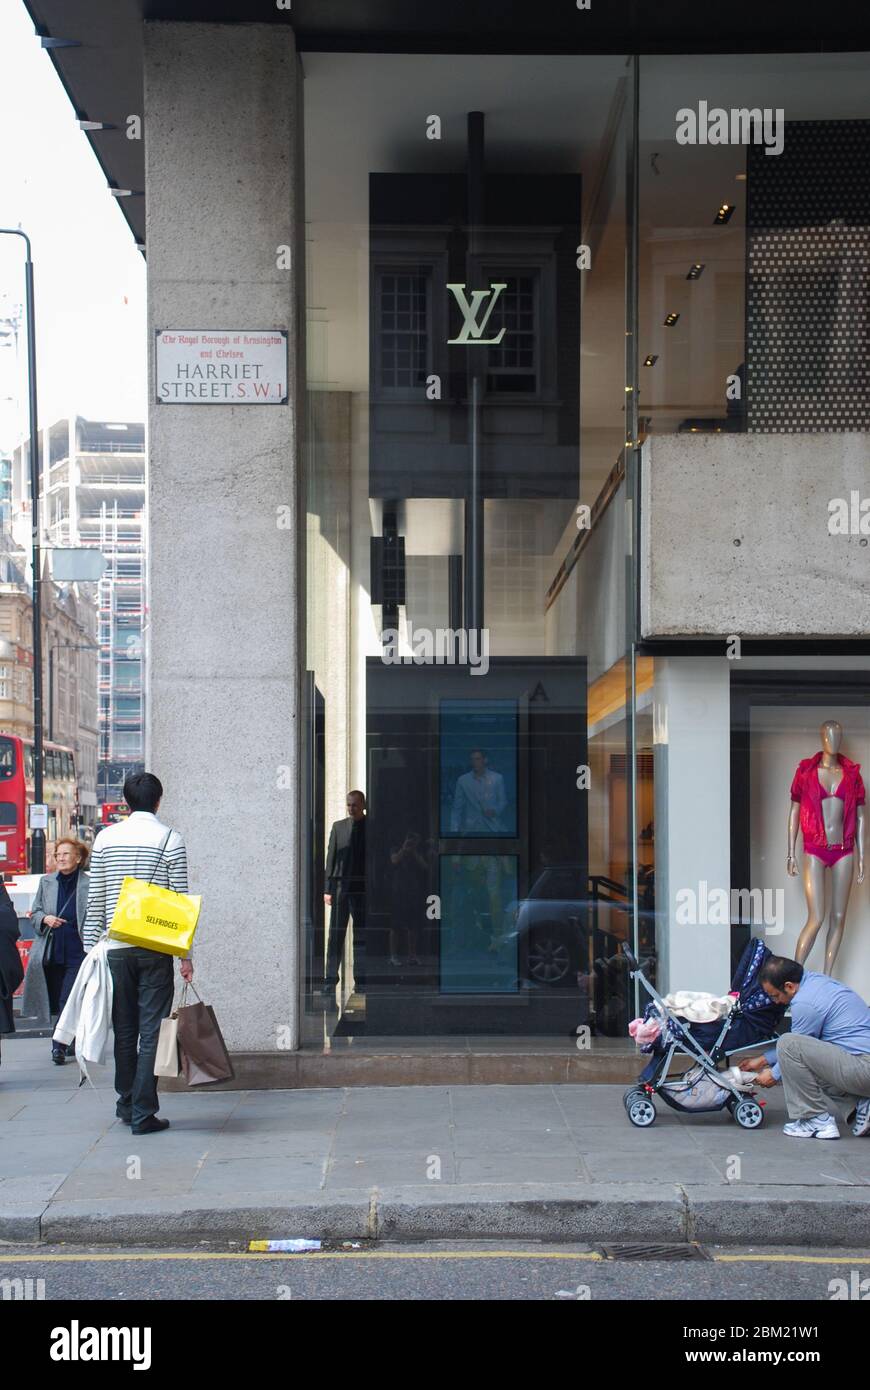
[(562, 932)]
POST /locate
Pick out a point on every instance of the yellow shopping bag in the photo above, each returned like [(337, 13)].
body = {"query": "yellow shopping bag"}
[(157, 918)]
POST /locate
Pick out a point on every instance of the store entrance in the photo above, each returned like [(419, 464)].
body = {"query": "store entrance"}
[(478, 916)]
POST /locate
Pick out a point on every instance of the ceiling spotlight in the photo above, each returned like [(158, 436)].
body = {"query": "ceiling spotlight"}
[(696, 271), (741, 178), (671, 320), (723, 215), (650, 359)]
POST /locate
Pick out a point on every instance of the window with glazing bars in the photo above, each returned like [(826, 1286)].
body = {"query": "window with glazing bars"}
[(402, 319), (513, 365)]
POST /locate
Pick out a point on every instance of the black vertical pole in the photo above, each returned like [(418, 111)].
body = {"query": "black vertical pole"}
[(37, 844), (454, 591), (474, 500), (631, 148)]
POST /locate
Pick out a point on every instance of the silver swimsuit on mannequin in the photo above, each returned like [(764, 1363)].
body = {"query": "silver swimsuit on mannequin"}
[(830, 774)]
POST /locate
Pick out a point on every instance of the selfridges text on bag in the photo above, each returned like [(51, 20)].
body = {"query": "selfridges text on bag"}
[(157, 918)]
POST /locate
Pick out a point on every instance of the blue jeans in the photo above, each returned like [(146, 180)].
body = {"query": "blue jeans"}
[(143, 984)]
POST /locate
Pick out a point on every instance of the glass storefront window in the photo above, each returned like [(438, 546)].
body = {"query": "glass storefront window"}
[(752, 317), (572, 324), (466, 442), (753, 235)]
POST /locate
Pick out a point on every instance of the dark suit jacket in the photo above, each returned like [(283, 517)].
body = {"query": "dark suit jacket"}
[(338, 855), (11, 970)]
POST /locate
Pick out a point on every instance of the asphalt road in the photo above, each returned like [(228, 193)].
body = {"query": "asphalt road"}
[(444, 1271)]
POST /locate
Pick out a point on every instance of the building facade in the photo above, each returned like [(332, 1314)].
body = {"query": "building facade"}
[(93, 495), (552, 538), (69, 626)]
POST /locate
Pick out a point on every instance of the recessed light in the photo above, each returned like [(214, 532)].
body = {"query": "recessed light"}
[(723, 215), (650, 359), (741, 178), (671, 320), (696, 271)]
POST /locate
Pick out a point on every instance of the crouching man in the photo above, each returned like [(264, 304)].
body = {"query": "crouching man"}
[(824, 1062)]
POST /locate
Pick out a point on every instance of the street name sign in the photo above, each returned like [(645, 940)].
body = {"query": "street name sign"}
[(214, 366)]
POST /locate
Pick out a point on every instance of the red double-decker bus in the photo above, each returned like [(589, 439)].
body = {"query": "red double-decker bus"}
[(60, 793)]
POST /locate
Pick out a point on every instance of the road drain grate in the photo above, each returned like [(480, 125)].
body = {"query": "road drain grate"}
[(653, 1252)]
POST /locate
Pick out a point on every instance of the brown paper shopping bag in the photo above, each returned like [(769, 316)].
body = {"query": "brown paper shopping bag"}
[(204, 1057)]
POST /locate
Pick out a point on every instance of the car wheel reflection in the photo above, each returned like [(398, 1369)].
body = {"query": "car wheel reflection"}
[(549, 959)]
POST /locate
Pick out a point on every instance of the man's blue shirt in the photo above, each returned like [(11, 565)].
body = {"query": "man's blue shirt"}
[(825, 1008)]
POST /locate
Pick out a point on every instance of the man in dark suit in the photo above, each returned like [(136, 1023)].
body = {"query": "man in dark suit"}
[(11, 969), (346, 891)]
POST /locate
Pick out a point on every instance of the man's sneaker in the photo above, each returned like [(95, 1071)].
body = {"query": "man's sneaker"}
[(862, 1118), (815, 1127)]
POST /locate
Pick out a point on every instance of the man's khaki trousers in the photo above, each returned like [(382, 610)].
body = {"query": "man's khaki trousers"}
[(819, 1077)]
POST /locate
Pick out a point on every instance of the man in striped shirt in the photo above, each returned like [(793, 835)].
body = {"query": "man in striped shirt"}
[(142, 980)]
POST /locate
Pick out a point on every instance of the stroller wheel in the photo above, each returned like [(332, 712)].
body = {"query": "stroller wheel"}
[(640, 1109), (633, 1093), (748, 1114)]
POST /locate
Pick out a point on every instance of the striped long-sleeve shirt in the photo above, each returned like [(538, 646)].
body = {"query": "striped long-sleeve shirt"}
[(130, 849)]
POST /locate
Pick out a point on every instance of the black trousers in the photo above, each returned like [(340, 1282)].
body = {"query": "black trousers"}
[(143, 984), (59, 980), (344, 906)]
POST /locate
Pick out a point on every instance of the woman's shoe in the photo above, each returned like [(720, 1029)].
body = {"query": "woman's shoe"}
[(58, 1056)]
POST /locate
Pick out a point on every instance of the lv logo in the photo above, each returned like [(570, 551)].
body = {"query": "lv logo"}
[(472, 331)]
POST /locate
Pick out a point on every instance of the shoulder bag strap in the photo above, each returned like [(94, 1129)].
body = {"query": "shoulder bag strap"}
[(160, 855)]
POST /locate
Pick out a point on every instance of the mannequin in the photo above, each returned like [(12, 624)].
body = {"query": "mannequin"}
[(827, 805)]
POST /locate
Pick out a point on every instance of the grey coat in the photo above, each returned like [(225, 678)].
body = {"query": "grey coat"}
[(34, 1002)]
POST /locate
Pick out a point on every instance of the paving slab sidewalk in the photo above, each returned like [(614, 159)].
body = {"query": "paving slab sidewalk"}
[(436, 1162)]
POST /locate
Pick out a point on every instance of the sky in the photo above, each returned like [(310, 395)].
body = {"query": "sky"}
[(89, 278)]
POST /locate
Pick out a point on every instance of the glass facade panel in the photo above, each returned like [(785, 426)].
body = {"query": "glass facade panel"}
[(566, 335), (466, 547), (753, 303), (753, 235)]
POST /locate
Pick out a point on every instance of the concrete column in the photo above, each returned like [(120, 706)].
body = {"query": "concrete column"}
[(223, 189), (692, 722)]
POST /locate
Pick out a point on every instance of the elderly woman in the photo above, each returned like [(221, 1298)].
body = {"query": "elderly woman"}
[(58, 917)]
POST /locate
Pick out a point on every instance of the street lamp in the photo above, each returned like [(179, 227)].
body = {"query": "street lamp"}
[(37, 841)]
